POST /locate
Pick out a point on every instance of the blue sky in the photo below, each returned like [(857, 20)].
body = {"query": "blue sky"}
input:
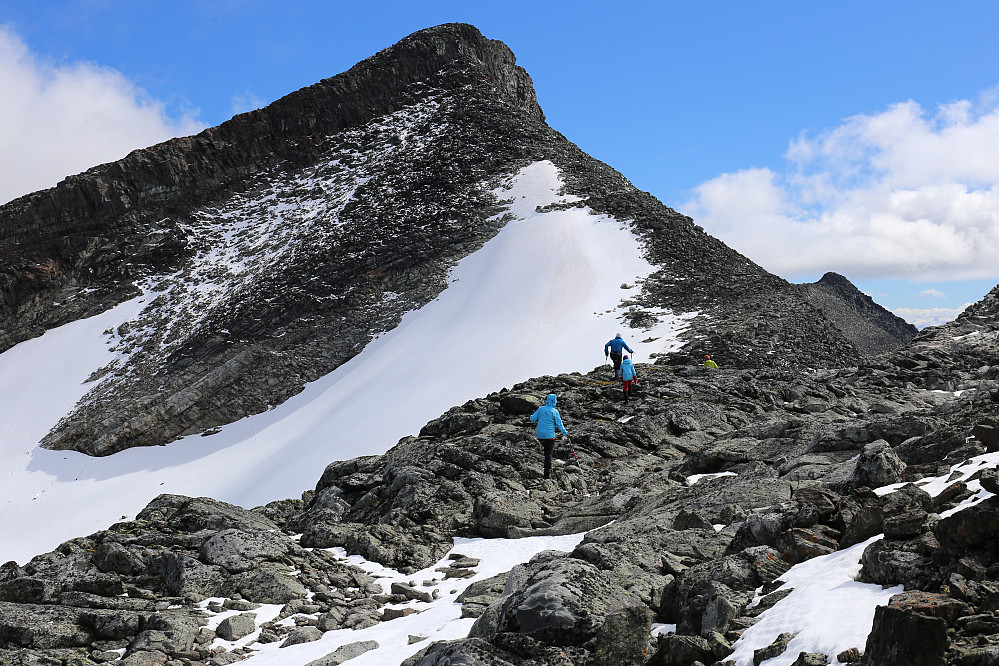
[(810, 136)]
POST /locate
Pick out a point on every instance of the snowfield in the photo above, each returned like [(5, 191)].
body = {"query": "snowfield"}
[(541, 297)]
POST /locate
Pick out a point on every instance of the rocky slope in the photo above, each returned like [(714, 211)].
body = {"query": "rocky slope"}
[(872, 328), (269, 250), (796, 454)]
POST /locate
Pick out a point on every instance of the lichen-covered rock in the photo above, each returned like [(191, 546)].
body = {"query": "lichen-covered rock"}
[(269, 585), (567, 602), (344, 653), (237, 626), (877, 466)]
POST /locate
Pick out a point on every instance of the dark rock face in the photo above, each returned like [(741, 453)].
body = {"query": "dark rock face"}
[(911, 629), (869, 326)]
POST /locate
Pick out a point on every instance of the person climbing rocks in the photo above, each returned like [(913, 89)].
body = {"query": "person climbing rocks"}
[(629, 376), (615, 348), (708, 363), (549, 420)]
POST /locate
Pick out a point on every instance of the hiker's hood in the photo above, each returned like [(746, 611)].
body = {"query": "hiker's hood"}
[(552, 399)]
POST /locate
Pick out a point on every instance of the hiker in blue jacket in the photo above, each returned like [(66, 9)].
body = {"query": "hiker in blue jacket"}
[(629, 376), (614, 349), (549, 421)]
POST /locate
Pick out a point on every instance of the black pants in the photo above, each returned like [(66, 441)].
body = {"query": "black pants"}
[(549, 447), (616, 359)]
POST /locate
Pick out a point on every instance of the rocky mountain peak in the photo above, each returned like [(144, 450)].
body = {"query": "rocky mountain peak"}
[(266, 252), (871, 327), (835, 280)]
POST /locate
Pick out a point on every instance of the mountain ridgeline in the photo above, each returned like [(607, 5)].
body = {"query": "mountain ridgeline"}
[(268, 247)]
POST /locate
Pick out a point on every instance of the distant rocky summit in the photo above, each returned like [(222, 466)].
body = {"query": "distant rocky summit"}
[(869, 326), (271, 249), (792, 457)]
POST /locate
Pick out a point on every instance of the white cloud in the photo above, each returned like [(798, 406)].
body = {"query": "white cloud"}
[(246, 101), (57, 120), (923, 317), (899, 194), (932, 293)]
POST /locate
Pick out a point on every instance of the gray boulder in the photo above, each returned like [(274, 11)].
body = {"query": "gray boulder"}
[(187, 577), (464, 652), (32, 626), (568, 602), (269, 585), (344, 653), (877, 466), (499, 514), (237, 626), (237, 551), (306, 634)]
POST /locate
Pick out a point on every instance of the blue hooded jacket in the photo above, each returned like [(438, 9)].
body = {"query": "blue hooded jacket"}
[(616, 345), (628, 370), (548, 419)]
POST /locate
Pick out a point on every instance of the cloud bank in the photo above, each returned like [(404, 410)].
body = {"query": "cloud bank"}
[(57, 120), (923, 317), (900, 194)]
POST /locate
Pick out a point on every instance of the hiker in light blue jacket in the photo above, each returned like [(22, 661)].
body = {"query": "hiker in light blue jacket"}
[(615, 348), (629, 376), (549, 422)]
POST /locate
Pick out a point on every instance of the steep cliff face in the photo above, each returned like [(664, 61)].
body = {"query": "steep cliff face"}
[(872, 328), (121, 220), (274, 247), (269, 250)]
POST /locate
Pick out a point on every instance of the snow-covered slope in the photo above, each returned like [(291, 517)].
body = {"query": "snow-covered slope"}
[(541, 297)]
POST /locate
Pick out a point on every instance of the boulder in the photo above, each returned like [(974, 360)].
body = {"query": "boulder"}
[(568, 602), (115, 558), (467, 652), (681, 650), (344, 653), (235, 627), (187, 577), (306, 634), (519, 403), (267, 585), (799, 544), (500, 514), (111, 625), (976, 527), (33, 626), (237, 551), (775, 649), (877, 466), (902, 634)]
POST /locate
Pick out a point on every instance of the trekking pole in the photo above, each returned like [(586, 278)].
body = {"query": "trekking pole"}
[(572, 448)]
